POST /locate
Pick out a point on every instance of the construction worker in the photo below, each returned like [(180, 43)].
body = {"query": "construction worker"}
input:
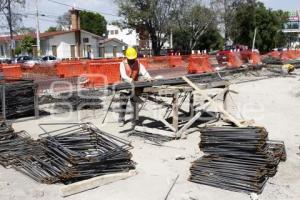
[(131, 70)]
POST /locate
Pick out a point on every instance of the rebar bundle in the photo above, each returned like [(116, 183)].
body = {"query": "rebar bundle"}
[(238, 159), (18, 98), (73, 153)]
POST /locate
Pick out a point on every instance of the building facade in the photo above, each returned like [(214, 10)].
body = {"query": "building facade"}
[(292, 29), (128, 36)]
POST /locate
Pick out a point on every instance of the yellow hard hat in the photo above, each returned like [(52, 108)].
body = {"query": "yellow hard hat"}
[(131, 53)]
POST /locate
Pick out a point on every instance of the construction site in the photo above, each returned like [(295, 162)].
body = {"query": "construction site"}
[(199, 129)]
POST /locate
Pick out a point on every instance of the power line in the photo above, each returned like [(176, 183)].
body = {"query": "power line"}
[(67, 5)]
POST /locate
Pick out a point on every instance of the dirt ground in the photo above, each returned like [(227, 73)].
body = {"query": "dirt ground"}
[(273, 103)]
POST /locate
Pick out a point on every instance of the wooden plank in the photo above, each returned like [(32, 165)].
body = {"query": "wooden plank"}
[(220, 108), (175, 111), (93, 183), (188, 124), (154, 131)]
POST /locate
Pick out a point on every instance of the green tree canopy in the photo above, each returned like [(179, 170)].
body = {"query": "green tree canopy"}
[(93, 22), (89, 21), (269, 24), (27, 43), (51, 29), (150, 17)]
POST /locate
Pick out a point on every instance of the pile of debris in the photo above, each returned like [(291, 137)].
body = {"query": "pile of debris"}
[(18, 98), (73, 153), (238, 159)]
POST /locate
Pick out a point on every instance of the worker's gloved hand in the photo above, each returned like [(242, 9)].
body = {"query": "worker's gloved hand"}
[(130, 80)]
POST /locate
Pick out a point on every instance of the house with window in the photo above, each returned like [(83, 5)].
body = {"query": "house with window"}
[(128, 36), (75, 43)]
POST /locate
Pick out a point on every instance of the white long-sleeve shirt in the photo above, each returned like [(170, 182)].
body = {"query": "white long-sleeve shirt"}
[(142, 73)]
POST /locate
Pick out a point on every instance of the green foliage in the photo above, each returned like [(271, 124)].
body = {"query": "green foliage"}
[(153, 17), (51, 29), (27, 43), (18, 50), (211, 40), (268, 23), (93, 22)]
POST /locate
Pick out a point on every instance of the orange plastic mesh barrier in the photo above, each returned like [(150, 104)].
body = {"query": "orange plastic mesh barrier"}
[(250, 57), (100, 74), (175, 61), (145, 62), (70, 69), (274, 54), (12, 72), (41, 70), (199, 64), (234, 60)]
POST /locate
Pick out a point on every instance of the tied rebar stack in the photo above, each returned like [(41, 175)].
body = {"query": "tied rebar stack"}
[(17, 99), (237, 159), (73, 153)]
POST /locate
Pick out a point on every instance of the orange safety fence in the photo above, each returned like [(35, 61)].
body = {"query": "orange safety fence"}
[(175, 61), (99, 74), (274, 54), (12, 72), (234, 60), (199, 64), (250, 57), (70, 69)]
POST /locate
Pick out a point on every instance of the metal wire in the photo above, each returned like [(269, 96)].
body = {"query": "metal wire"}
[(238, 159)]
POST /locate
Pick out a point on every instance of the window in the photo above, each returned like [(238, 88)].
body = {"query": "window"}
[(116, 32), (54, 50), (1, 50), (72, 51), (101, 52), (112, 32), (115, 51)]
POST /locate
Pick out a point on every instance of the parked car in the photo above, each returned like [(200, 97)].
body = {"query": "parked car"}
[(5, 60), (48, 60), (23, 59)]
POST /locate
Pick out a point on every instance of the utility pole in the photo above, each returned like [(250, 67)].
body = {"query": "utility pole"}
[(12, 42), (254, 39), (38, 42)]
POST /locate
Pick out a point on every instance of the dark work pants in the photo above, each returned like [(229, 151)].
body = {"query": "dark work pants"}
[(124, 98)]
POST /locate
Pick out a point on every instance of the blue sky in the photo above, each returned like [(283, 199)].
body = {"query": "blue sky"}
[(52, 10)]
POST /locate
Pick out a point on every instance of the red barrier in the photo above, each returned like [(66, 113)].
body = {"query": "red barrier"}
[(145, 62), (70, 69), (250, 57), (100, 74), (175, 61), (199, 64), (12, 72), (234, 60)]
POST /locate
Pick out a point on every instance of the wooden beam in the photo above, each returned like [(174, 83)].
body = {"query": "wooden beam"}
[(220, 108), (175, 111), (93, 183), (154, 131)]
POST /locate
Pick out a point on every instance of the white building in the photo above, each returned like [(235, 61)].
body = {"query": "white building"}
[(75, 43), (128, 36)]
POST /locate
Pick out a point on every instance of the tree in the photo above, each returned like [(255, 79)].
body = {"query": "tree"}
[(93, 22), (154, 17), (52, 29), (25, 30), (89, 21), (225, 11), (269, 25), (9, 8), (194, 20), (64, 21), (27, 43)]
